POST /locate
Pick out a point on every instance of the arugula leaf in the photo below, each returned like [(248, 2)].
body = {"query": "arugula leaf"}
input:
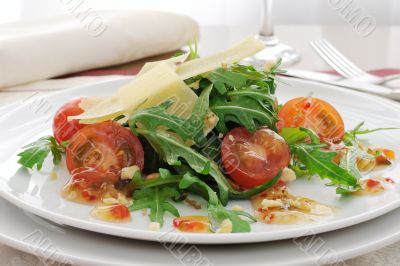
[(221, 78), (255, 190), (36, 152), (350, 137), (155, 117), (254, 77), (189, 180), (321, 163), (156, 199), (292, 135), (248, 71), (165, 178), (193, 50), (216, 212), (247, 107), (171, 149)]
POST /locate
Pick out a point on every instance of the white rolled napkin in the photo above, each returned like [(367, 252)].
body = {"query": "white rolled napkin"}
[(37, 49)]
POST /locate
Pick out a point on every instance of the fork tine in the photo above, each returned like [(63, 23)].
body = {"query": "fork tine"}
[(346, 62), (327, 58), (334, 58)]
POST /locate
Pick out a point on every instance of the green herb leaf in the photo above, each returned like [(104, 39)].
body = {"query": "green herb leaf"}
[(255, 190), (217, 214), (193, 50), (36, 152), (221, 78), (293, 135), (321, 163), (171, 149), (247, 107), (157, 200), (154, 118), (350, 137), (189, 180)]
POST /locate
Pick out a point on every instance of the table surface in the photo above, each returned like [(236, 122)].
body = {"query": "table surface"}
[(378, 50)]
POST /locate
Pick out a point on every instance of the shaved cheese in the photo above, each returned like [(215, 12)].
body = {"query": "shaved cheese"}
[(173, 60), (246, 48), (104, 110), (163, 80), (89, 102), (154, 87)]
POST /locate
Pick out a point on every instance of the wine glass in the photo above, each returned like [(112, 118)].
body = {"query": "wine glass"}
[(274, 50)]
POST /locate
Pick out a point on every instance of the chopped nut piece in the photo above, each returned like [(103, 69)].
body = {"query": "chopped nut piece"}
[(129, 172), (154, 226), (231, 138), (210, 121), (225, 227), (53, 175), (288, 175), (192, 203), (266, 203)]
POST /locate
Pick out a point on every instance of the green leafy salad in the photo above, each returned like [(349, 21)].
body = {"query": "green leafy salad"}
[(206, 126)]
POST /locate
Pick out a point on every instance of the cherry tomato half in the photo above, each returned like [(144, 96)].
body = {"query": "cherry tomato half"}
[(254, 158), (107, 147), (314, 114), (62, 128)]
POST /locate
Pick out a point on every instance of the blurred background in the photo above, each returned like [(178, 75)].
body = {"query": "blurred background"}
[(214, 12), (229, 21), (296, 23)]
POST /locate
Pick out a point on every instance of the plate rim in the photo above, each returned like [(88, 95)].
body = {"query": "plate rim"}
[(354, 251), (250, 237)]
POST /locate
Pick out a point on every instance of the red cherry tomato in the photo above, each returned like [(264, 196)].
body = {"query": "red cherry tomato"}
[(62, 128), (314, 114), (107, 147), (254, 158)]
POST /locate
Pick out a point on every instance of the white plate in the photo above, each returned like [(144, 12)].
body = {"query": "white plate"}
[(39, 194), (31, 234)]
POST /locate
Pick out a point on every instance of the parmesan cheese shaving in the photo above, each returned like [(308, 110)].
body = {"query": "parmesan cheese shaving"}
[(246, 48)]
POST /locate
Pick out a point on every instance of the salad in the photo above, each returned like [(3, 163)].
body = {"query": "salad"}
[(209, 127)]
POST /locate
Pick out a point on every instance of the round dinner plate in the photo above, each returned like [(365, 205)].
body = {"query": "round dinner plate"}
[(37, 193), (24, 231)]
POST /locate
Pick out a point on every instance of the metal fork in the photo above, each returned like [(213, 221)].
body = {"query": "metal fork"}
[(344, 66)]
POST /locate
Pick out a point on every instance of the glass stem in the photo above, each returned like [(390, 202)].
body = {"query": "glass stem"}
[(267, 26)]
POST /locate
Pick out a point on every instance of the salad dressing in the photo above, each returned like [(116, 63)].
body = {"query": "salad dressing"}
[(278, 206), (117, 213), (109, 202), (192, 224), (374, 186)]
